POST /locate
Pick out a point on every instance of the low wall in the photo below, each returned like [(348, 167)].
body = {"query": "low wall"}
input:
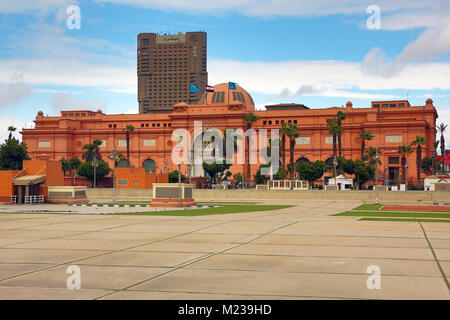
[(106, 194), (391, 197)]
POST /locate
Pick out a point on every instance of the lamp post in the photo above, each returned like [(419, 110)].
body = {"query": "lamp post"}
[(406, 173), (376, 176), (335, 164), (95, 165), (179, 185), (114, 157)]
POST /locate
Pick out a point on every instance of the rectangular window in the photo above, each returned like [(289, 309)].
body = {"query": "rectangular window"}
[(149, 143), (329, 140), (394, 160), (122, 182), (44, 144), (393, 139), (303, 140), (122, 143)]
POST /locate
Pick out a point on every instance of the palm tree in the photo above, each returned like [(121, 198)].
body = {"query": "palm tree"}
[(365, 135), (371, 154), (284, 130), (404, 150), (441, 129), (292, 133), (92, 150), (434, 156), (11, 129), (419, 142), (335, 130), (341, 116), (128, 130), (249, 119)]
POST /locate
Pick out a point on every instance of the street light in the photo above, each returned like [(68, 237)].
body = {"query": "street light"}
[(179, 185), (376, 176), (114, 157), (335, 164), (95, 165), (406, 173)]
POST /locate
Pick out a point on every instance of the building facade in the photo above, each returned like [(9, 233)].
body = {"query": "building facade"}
[(170, 69), (393, 123)]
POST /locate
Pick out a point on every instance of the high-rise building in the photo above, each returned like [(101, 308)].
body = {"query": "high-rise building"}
[(170, 69)]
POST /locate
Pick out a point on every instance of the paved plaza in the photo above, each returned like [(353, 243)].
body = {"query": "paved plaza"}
[(302, 252)]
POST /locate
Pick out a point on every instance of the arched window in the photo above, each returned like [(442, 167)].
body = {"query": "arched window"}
[(329, 163), (123, 163), (149, 165), (301, 160)]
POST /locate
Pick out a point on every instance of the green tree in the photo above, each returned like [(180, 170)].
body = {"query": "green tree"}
[(216, 171), (74, 163), (404, 150), (442, 127), (12, 154), (365, 135), (11, 129), (87, 170), (65, 165), (371, 155), (363, 172), (341, 116), (129, 129), (237, 179), (311, 171), (92, 150), (173, 176), (249, 119), (419, 142), (292, 134), (427, 165)]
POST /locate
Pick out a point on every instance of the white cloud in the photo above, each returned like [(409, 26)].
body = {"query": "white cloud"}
[(273, 77), (27, 6), (277, 7), (432, 43), (13, 93), (61, 72), (64, 101), (7, 121)]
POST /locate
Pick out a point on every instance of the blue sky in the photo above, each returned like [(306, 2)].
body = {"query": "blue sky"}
[(319, 53)]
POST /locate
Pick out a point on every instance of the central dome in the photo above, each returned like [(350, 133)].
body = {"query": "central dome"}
[(223, 95)]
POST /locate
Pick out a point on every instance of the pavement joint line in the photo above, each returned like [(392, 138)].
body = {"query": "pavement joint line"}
[(435, 257), (240, 294), (95, 256), (202, 258), (311, 272)]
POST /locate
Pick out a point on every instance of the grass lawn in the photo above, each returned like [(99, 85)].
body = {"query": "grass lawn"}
[(393, 214), (369, 206), (404, 220), (223, 209)]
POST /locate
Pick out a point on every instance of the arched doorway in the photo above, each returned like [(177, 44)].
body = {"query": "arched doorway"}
[(149, 165)]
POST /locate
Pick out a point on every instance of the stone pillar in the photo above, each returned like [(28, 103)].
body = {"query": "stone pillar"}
[(19, 194)]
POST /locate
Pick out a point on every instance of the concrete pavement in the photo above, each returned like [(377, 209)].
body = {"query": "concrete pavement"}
[(296, 253)]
